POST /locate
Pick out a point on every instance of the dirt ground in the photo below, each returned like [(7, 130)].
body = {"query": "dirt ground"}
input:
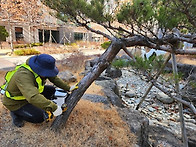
[(186, 59)]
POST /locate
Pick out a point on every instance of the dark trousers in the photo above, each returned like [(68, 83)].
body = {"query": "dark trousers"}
[(32, 113)]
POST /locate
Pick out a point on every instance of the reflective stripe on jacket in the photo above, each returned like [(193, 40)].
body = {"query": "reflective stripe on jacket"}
[(9, 75)]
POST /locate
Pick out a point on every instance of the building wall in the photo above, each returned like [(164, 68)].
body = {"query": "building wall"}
[(31, 35), (66, 35)]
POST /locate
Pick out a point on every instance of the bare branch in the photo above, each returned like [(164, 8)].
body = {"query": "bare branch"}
[(143, 41), (129, 53), (93, 30), (121, 29)]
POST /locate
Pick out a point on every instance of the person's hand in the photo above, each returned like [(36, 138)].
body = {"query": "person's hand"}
[(58, 111), (74, 87)]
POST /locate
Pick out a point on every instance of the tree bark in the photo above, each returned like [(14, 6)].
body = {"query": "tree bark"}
[(103, 62)]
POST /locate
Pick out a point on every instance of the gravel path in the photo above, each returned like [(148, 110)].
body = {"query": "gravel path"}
[(158, 113)]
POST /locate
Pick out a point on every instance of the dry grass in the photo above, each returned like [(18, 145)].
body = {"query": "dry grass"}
[(75, 62), (88, 125)]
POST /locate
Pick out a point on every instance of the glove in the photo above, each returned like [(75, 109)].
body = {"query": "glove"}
[(48, 116), (74, 87), (58, 111), (64, 107)]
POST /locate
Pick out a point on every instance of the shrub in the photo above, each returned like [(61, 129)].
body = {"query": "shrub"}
[(21, 45), (105, 45), (28, 45), (120, 63), (23, 52), (3, 33), (37, 44), (149, 66)]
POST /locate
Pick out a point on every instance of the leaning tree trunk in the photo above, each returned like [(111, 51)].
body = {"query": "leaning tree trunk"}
[(104, 61)]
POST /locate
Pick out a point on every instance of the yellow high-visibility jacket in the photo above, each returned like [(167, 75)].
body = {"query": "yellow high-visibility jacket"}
[(23, 88)]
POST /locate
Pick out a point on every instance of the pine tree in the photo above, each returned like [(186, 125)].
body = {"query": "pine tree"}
[(157, 24), (3, 34)]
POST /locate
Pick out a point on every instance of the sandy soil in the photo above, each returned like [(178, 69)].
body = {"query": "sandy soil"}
[(186, 59)]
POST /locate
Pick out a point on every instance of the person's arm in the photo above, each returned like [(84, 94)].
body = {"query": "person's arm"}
[(59, 83), (25, 81)]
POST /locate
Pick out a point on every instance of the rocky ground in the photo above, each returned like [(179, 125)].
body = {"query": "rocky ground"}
[(161, 110), (158, 107)]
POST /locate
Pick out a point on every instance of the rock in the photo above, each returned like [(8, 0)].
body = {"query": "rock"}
[(113, 98), (111, 91), (187, 116), (151, 109), (113, 72), (138, 125), (159, 136), (128, 58), (164, 98), (165, 126), (109, 84), (191, 137), (89, 64), (130, 93), (189, 91), (101, 78), (67, 76), (186, 69), (96, 98)]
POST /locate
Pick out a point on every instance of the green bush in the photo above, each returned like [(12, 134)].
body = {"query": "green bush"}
[(119, 63), (3, 33), (73, 44), (23, 52), (36, 44), (105, 45), (21, 46), (148, 65)]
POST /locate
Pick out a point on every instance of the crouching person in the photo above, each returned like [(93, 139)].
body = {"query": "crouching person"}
[(25, 93)]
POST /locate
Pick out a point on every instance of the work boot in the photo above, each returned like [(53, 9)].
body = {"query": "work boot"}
[(17, 121)]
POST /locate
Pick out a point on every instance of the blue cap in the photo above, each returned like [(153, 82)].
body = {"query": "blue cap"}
[(43, 65)]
